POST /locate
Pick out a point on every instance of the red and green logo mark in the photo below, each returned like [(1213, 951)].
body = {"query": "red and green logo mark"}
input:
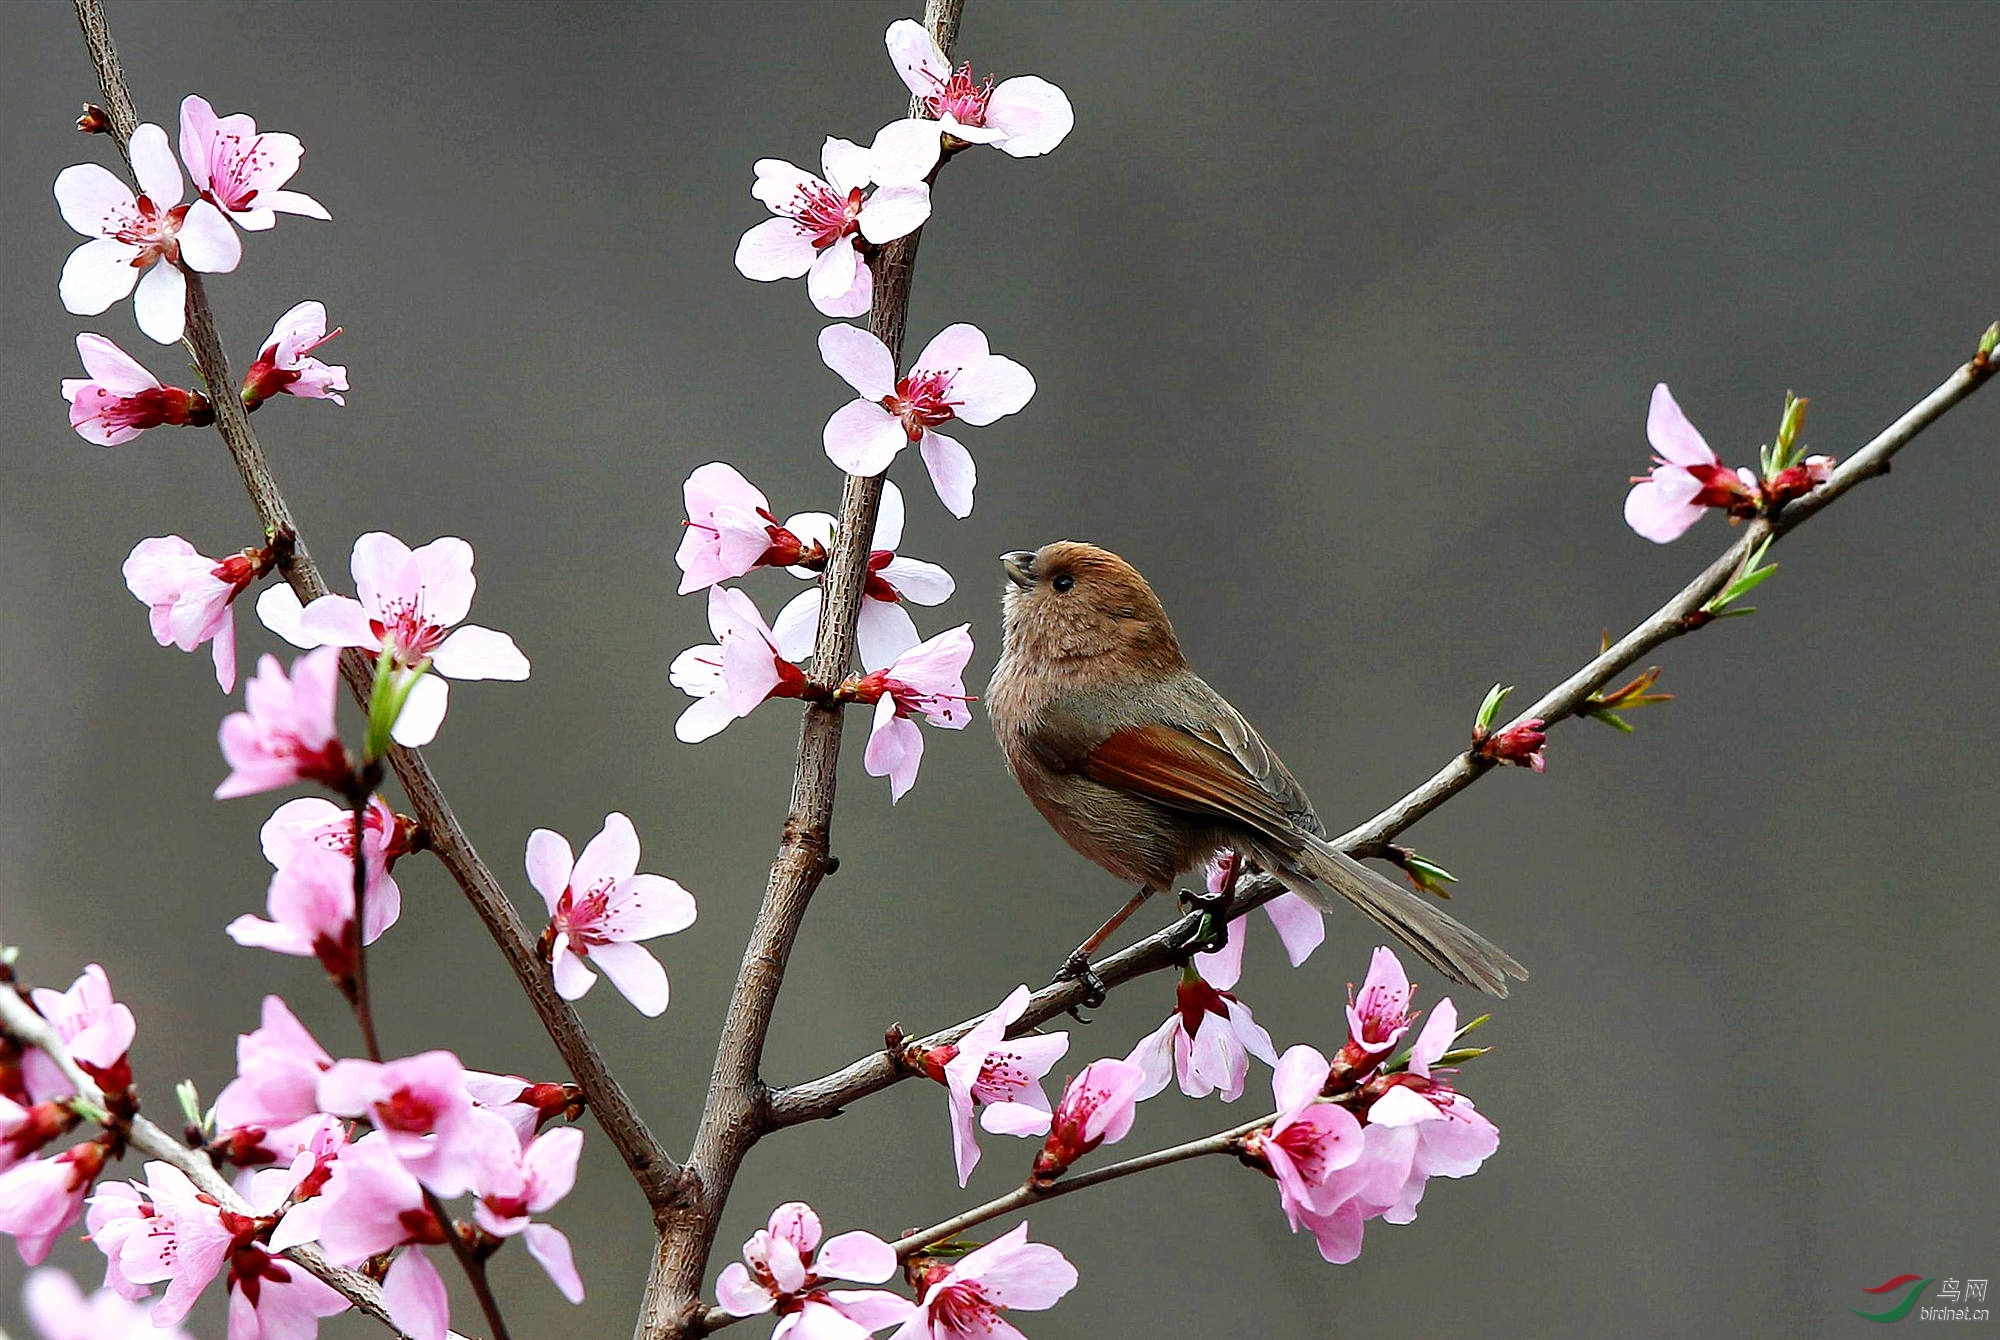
[(1913, 1287)]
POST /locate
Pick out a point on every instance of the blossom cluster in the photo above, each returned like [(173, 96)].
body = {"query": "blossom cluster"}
[(829, 229)]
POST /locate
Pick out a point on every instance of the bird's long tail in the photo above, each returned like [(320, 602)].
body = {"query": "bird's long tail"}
[(1456, 950)]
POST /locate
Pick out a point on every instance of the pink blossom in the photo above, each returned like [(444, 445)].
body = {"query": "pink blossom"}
[(1300, 926), (183, 1243), (530, 1182), (1443, 1134), (411, 601), (1686, 479), (1096, 1108), (1207, 1042), (729, 530), (599, 910), (271, 1108), (727, 678), (286, 734), (372, 1205), (116, 1211), (151, 232), (928, 680), (884, 629), (963, 1301), (955, 377), (1378, 1017), (274, 1299), (41, 1198), (240, 170), (285, 365), (983, 1067), (311, 902), (1025, 116), (190, 598), (120, 399), (819, 221), (1310, 1140), (785, 1267), (58, 1310), (420, 1107), (523, 1104), (96, 1029), (313, 823)]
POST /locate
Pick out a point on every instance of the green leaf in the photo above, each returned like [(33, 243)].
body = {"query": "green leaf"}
[(1612, 719), (1489, 706), (1990, 339)]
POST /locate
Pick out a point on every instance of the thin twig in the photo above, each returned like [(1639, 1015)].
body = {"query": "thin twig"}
[(1034, 1193), (659, 1177), (827, 1095), (22, 1024), (733, 1116)]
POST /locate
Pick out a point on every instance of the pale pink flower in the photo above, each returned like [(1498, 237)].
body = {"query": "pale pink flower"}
[(151, 232), (729, 530), (1378, 1017), (1443, 1133), (1300, 926), (97, 1029), (530, 1182), (599, 910), (819, 222), (120, 399), (983, 1067), (311, 902), (304, 1182), (955, 377), (313, 823), (372, 1205), (58, 1310), (183, 1243), (785, 1268), (420, 1107), (1686, 479), (190, 598), (1097, 1107), (1207, 1042), (1025, 116), (884, 629), (285, 365), (411, 602), (928, 681), (523, 1104), (286, 733), (114, 1212), (41, 1198), (241, 170), (271, 1298), (963, 1301), (727, 678), (272, 1107), (1310, 1140)]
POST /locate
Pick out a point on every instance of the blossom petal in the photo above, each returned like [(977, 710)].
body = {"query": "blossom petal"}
[(831, 282), (296, 202), (153, 164), (649, 905), (895, 749), (551, 1250), (847, 165), (861, 1257), (894, 211), (906, 151), (918, 59), (97, 274), (610, 856), (93, 201), (445, 580), (330, 621), (278, 609), (573, 979), (160, 305), (779, 248), (883, 632), (549, 864), (416, 1298), (1670, 433), (1299, 1076), (862, 438), (779, 183), (423, 713), (990, 388), (1035, 114), (952, 472), (863, 362), (741, 1296), (797, 625), (636, 974), (703, 718), (918, 582), (208, 243), (472, 652), (115, 370), (1300, 926)]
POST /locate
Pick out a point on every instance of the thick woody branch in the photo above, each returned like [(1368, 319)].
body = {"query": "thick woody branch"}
[(22, 1024), (657, 1174), (826, 1096), (734, 1115)]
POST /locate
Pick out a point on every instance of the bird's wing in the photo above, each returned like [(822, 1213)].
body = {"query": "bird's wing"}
[(1184, 772), (1223, 726)]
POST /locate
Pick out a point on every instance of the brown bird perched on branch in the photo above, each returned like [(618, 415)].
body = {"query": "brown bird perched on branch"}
[(1146, 770)]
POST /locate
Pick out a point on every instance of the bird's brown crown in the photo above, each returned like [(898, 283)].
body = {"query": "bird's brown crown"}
[(1074, 601)]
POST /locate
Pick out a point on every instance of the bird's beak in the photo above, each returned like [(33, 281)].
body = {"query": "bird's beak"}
[(1019, 567)]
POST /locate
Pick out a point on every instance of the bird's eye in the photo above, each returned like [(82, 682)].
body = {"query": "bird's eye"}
[(1063, 583)]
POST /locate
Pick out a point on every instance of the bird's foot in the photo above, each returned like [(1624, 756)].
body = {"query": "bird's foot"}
[(1077, 969), (1211, 932)]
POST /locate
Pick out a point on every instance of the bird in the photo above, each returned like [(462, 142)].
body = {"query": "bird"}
[(1144, 769)]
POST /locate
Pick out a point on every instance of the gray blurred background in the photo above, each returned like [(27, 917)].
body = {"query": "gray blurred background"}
[(1344, 322)]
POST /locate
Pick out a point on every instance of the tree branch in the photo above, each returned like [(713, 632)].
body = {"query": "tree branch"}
[(827, 1095), (659, 1177), (733, 1116), (22, 1024)]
